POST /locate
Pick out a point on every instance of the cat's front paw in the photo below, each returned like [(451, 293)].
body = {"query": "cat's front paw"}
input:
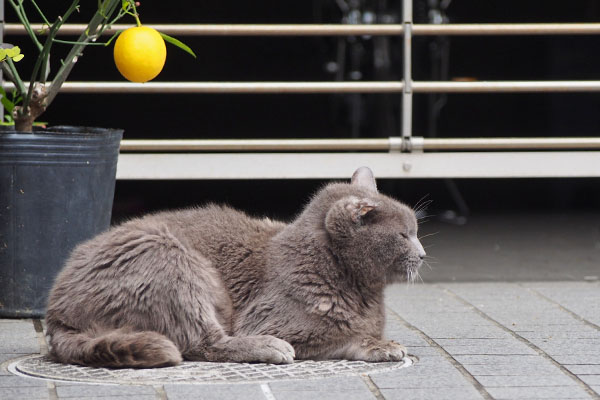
[(271, 350), (378, 351)]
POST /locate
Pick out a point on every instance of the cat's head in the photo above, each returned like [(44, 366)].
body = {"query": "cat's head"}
[(373, 229)]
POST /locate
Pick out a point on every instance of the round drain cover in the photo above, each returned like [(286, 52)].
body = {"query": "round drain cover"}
[(198, 372)]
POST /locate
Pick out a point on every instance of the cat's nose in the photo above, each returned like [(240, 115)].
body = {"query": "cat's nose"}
[(419, 246)]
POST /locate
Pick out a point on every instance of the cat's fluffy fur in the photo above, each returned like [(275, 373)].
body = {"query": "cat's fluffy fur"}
[(213, 284)]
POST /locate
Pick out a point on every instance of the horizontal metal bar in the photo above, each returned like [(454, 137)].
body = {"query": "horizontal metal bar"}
[(383, 144), (506, 86), (508, 143), (339, 29), (231, 145), (342, 165), (329, 87), (228, 87)]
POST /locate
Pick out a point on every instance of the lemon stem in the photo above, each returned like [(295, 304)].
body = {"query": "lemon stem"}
[(135, 13)]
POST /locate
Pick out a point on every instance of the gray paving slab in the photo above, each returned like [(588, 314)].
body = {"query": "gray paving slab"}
[(18, 336), (19, 381), (584, 369), (463, 393), (447, 378), (537, 368), (592, 380), (582, 298), (570, 359), (541, 333), (214, 392), (490, 381), (342, 388), (89, 390), (116, 397), (498, 308), (24, 393), (495, 359), (541, 392)]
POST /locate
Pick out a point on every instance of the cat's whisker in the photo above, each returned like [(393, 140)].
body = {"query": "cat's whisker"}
[(429, 234), (418, 203)]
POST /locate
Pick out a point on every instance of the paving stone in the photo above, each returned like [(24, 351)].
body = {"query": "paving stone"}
[(592, 380), (11, 356), (18, 336), (584, 369), (582, 333), (467, 332), (343, 388), (514, 369), (5, 361), (512, 348), (577, 359), (24, 393), (509, 359), (19, 381), (524, 380), (422, 351), (116, 397), (463, 393), (79, 391), (579, 297), (397, 380), (540, 392), (485, 346)]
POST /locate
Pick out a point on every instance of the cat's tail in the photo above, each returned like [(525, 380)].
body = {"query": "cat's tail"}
[(119, 348)]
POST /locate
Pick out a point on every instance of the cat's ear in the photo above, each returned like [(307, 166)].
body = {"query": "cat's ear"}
[(346, 214), (364, 177), (358, 208)]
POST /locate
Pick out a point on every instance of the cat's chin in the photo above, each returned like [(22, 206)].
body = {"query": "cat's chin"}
[(408, 276), (408, 271)]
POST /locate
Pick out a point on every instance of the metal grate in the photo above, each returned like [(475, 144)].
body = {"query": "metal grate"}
[(199, 372)]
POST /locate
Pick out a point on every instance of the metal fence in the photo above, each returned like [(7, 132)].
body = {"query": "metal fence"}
[(404, 156)]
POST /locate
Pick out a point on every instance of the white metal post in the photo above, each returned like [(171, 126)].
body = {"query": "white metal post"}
[(407, 19)]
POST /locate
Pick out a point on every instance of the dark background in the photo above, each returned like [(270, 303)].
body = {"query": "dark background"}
[(326, 116)]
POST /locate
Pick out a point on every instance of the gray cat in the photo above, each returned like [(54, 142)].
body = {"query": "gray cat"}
[(213, 284)]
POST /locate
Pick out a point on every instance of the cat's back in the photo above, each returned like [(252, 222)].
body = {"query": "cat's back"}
[(211, 229)]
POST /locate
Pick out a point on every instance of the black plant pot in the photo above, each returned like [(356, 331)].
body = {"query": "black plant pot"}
[(56, 190)]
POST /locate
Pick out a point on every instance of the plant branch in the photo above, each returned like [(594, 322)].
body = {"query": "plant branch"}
[(42, 60), (20, 11), (9, 68), (90, 34), (75, 42), (40, 12)]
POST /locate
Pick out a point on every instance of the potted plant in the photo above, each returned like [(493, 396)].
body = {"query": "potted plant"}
[(56, 183)]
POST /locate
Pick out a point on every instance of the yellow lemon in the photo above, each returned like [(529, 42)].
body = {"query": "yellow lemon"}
[(140, 53)]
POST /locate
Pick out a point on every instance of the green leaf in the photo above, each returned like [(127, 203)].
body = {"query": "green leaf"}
[(125, 5), (6, 103), (18, 57), (177, 43)]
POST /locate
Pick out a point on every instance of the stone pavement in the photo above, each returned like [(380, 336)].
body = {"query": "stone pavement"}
[(528, 340)]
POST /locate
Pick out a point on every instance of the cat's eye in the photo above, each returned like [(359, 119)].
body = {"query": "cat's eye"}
[(404, 235)]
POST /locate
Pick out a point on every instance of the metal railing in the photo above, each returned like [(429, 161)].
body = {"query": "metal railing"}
[(407, 87), (390, 144), (338, 29)]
